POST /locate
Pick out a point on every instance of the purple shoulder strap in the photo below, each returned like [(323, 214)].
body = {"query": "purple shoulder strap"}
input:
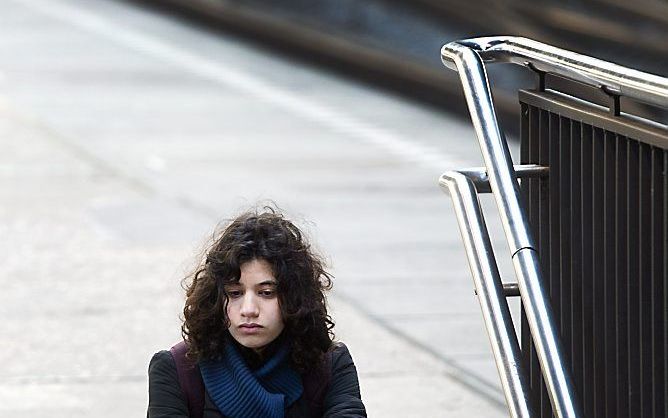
[(190, 380)]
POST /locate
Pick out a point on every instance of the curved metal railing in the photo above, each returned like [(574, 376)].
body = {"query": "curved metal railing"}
[(468, 57)]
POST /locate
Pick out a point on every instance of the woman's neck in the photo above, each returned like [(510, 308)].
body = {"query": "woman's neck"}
[(256, 358)]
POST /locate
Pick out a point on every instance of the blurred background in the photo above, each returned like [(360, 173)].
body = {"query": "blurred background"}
[(130, 129), (395, 44)]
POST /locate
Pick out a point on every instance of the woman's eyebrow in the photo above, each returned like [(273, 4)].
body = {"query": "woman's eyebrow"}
[(267, 282)]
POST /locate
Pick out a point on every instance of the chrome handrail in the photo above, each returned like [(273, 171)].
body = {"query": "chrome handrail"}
[(466, 57), (610, 77), (463, 186)]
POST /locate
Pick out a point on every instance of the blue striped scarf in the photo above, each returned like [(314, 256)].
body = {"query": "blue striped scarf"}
[(239, 391)]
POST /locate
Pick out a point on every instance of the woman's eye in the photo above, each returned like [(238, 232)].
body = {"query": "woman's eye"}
[(267, 292), (232, 294)]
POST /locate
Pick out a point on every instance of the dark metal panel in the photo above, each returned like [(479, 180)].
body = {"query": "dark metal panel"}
[(659, 259), (609, 271), (588, 295), (645, 280), (621, 249), (554, 266), (646, 132), (564, 284), (633, 291), (600, 221), (573, 260), (556, 209), (598, 274)]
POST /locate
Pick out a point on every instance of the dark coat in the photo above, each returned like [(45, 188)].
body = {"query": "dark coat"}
[(342, 399)]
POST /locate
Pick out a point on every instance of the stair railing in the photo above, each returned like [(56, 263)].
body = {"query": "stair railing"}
[(499, 176)]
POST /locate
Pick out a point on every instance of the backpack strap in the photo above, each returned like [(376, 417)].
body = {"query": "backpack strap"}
[(190, 380), (316, 383)]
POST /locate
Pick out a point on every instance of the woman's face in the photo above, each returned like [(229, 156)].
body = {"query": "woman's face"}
[(252, 307)]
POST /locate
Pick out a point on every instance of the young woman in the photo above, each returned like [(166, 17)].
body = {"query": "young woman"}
[(258, 341)]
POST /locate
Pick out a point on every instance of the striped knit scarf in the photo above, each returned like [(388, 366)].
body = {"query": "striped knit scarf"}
[(240, 392)]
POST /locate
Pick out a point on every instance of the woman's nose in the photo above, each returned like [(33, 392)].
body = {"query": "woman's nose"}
[(249, 306)]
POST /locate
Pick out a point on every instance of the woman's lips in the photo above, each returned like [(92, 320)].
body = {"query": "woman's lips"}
[(250, 328)]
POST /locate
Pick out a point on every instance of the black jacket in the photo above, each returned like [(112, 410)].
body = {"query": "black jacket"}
[(342, 398)]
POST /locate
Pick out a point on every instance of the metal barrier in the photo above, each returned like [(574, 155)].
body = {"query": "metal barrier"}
[(555, 131)]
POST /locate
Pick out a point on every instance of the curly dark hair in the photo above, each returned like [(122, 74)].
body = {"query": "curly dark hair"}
[(260, 234)]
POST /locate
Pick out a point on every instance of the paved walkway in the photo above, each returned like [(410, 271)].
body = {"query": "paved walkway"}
[(121, 150)]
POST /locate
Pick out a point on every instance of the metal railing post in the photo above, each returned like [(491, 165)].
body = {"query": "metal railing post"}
[(525, 259), (488, 287)]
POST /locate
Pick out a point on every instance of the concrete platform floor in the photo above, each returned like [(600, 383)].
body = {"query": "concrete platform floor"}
[(127, 135)]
